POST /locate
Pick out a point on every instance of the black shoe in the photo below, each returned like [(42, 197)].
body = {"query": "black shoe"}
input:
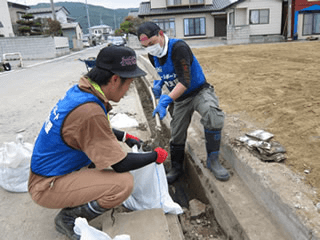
[(66, 218), (216, 168), (177, 159), (65, 223), (173, 175)]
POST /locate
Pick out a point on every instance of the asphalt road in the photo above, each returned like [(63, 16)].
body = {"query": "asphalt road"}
[(27, 95)]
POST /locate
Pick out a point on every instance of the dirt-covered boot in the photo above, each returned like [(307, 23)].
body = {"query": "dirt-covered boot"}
[(177, 158), (65, 219), (213, 138)]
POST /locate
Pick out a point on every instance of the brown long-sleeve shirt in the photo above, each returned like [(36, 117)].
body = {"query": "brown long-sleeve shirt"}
[(88, 129)]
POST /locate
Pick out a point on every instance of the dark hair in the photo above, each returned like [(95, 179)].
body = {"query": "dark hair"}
[(148, 28), (99, 76), (102, 77)]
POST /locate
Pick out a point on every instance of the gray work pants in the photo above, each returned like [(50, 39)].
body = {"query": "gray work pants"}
[(206, 103)]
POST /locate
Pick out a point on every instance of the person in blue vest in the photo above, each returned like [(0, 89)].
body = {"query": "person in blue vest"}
[(77, 163), (189, 91)]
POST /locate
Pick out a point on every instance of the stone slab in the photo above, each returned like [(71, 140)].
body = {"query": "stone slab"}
[(144, 224)]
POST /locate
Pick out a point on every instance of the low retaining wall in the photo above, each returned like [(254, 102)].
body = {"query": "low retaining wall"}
[(32, 48)]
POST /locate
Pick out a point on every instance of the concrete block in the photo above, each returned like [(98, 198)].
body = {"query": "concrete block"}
[(145, 224)]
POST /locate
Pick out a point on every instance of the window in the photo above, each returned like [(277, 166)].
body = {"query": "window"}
[(311, 23), (167, 25), (231, 18), (260, 16), (195, 1), (194, 26), (173, 2)]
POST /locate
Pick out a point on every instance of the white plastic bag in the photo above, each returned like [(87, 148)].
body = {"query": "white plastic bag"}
[(87, 232), (15, 165), (151, 190)]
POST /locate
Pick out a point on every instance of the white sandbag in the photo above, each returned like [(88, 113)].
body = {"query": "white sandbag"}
[(15, 160), (151, 190)]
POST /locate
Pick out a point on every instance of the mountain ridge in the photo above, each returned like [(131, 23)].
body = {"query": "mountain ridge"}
[(98, 15)]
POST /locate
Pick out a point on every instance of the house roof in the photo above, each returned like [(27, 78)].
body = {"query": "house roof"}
[(69, 25), (17, 5), (222, 4), (216, 6), (100, 26), (311, 8), (47, 10)]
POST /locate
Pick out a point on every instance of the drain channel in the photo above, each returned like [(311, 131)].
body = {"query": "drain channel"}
[(188, 186)]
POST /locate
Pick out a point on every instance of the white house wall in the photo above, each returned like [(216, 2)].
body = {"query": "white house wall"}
[(61, 17), (179, 24), (5, 19), (79, 32), (163, 3), (158, 4), (275, 17)]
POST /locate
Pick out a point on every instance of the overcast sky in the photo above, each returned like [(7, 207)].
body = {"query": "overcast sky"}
[(103, 3)]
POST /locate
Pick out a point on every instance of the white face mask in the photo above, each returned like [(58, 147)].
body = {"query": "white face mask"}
[(155, 50)]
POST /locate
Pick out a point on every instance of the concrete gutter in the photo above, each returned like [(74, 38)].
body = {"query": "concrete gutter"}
[(261, 200)]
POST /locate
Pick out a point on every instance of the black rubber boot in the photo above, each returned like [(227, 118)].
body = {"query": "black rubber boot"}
[(213, 139), (177, 158), (66, 217)]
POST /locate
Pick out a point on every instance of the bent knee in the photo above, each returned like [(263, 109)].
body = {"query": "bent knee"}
[(118, 193), (213, 118)]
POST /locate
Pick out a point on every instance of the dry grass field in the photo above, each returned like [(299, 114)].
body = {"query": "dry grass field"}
[(278, 87)]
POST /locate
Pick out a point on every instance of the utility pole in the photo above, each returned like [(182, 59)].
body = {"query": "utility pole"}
[(114, 19), (289, 30), (88, 15), (53, 11)]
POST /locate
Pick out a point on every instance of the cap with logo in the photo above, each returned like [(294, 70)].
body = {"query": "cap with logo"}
[(120, 60)]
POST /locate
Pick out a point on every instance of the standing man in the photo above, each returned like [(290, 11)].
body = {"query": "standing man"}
[(77, 163), (189, 91)]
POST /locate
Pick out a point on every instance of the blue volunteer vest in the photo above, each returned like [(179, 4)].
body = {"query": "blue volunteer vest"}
[(51, 156), (167, 72)]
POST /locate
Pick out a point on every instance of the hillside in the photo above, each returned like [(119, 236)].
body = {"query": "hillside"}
[(98, 15)]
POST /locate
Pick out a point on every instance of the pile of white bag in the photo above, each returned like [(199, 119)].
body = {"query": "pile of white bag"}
[(15, 160)]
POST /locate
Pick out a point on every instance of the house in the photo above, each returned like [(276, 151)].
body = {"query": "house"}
[(16, 12), (100, 32), (239, 21), (62, 14), (254, 21), (70, 28), (306, 19), (5, 20), (73, 32)]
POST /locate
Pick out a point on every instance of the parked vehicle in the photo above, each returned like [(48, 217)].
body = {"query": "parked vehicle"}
[(85, 43), (115, 40)]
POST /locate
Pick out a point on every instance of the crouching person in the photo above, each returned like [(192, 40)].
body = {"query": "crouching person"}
[(77, 164)]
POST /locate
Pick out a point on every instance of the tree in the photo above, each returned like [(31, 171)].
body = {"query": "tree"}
[(131, 24), (27, 26), (54, 27)]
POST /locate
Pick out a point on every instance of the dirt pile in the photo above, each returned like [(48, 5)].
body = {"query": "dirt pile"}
[(275, 86)]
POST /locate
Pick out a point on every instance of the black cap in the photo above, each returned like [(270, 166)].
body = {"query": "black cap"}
[(148, 28), (120, 60)]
